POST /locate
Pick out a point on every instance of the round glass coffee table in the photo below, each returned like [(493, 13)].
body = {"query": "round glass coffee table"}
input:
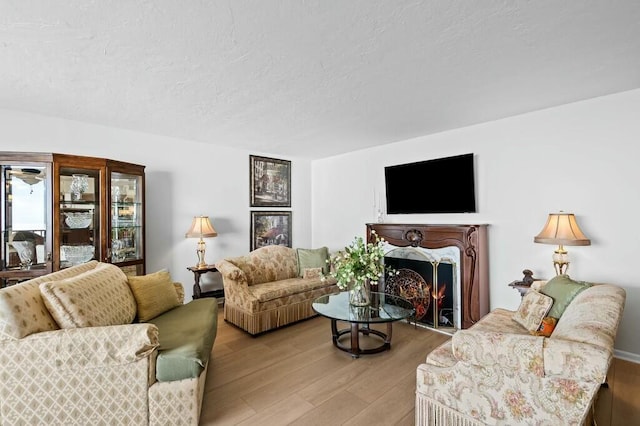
[(384, 308)]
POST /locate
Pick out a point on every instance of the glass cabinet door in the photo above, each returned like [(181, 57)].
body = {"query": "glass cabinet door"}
[(127, 221), (61, 210), (26, 249), (78, 216)]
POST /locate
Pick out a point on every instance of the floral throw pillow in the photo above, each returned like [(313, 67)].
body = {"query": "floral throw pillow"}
[(312, 273), (533, 308)]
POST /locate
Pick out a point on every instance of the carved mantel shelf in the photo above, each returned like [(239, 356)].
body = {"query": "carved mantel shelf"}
[(472, 242)]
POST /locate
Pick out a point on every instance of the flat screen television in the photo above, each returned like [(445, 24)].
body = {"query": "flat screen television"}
[(442, 185)]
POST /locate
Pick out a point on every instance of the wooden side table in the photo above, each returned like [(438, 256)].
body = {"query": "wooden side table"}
[(197, 272), (521, 287)]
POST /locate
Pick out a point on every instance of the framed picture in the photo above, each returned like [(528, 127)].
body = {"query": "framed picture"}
[(270, 228), (270, 181)]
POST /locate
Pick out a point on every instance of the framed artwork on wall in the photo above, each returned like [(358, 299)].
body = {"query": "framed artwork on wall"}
[(270, 181), (270, 228)]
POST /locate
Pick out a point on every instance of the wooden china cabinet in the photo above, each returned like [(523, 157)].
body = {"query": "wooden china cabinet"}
[(59, 210)]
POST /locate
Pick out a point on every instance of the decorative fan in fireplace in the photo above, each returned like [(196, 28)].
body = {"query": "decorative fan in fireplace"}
[(410, 285)]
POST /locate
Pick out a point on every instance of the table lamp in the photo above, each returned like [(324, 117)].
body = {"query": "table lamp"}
[(201, 228), (562, 229)]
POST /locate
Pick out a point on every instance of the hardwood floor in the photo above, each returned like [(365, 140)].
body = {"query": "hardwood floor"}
[(294, 376), (619, 404)]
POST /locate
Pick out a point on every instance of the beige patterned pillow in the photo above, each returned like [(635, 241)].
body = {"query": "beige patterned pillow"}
[(155, 294), (95, 298), (22, 310), (312, 273), (532, 310)]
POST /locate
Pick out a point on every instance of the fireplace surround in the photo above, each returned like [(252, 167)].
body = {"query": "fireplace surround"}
[(470, 240)]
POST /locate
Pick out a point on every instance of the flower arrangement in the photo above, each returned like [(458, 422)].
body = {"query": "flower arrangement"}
[(359, 262)]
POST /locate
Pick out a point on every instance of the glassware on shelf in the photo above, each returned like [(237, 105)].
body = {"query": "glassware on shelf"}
[(116, 195), (26, 253), (76, 255), (79, 185), (78, 220), (118, 253)]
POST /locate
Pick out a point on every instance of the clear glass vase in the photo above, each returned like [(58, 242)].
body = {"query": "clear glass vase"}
[(79, 185), (360, 294)]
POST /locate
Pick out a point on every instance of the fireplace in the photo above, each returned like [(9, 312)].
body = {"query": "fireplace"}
[(429, 278), (442, 269)]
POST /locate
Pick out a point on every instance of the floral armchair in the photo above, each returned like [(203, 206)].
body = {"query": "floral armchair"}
[(498, 373)]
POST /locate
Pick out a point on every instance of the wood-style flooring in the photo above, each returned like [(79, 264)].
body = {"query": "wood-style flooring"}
[(619, 403), (295, 376)]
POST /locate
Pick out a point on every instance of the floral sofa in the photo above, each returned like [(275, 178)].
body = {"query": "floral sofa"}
[(73, 349), (273, 286), (500, 372)]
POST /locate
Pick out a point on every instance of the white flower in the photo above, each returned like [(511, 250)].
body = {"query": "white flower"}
[(359, 262)]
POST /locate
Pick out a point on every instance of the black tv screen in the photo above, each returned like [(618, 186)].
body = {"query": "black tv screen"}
[(442, 185)]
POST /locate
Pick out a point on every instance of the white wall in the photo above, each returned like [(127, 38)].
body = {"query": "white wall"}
[(183, 179), (580, 158)]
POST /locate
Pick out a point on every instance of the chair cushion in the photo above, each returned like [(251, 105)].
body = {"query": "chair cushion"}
[(186, 335), (283, 288), (98, 297), (532, 310), (500, 319), (155, 294), (563, 290), (312, 258)]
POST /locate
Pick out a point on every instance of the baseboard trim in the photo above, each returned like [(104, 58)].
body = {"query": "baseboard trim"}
[(627, 356)]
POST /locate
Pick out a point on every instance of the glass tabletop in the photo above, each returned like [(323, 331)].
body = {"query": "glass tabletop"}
[(383, 308)]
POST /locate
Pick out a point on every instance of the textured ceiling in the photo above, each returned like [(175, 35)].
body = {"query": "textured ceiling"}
[(310, 78)]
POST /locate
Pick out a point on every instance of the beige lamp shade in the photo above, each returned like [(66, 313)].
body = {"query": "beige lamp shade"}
[(561, 229), (201, 227)]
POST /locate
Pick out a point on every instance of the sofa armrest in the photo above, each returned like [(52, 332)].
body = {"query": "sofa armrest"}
[(82, 375), (510, 351), (86, 347), (231, 273), (537, 355), (580, 361), (235, 282)]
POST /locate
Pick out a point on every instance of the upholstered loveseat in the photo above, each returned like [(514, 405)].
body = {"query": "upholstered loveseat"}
[(73, 349), (497, 372), (273, 286)]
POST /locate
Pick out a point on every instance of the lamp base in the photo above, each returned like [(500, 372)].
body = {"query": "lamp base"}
[(561, 261), (200, 252), (561, 267)]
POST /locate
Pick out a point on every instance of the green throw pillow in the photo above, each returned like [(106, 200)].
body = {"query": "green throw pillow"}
[(563, 290), (313, 258)]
